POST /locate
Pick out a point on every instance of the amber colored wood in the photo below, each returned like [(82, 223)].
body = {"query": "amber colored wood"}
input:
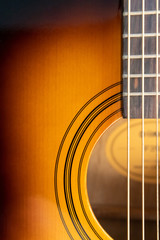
[(47, 77)]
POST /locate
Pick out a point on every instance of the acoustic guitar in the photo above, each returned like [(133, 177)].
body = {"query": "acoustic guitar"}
[(62, 89)]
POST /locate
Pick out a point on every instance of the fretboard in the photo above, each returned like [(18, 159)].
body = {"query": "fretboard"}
[(141, 39)]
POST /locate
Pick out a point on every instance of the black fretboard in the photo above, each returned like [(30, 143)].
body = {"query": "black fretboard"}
[(140, 43)]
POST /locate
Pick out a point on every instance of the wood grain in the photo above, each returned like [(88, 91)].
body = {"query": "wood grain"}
[(47, 76)]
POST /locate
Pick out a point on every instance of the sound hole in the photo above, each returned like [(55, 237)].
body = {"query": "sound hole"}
[(107, 185)]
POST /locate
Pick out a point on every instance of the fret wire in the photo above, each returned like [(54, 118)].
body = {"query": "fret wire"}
[(136, 94), (140, 13), (157, 70), (125, 35), (140, 56), (140, 75), (143, 207), (128, 164)]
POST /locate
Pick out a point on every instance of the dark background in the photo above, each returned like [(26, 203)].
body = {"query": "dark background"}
[(47, 13)]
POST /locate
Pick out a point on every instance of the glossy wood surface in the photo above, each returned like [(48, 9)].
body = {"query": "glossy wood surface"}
[(47, 77)]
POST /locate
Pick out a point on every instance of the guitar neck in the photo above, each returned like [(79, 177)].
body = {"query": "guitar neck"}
[(141, 27)]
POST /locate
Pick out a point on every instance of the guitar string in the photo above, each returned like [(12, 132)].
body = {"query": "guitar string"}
[(157, 162), (143, 193), (157, 169), (128, 163)]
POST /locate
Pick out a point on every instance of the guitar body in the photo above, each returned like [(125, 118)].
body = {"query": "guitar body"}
[(61, 90)]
